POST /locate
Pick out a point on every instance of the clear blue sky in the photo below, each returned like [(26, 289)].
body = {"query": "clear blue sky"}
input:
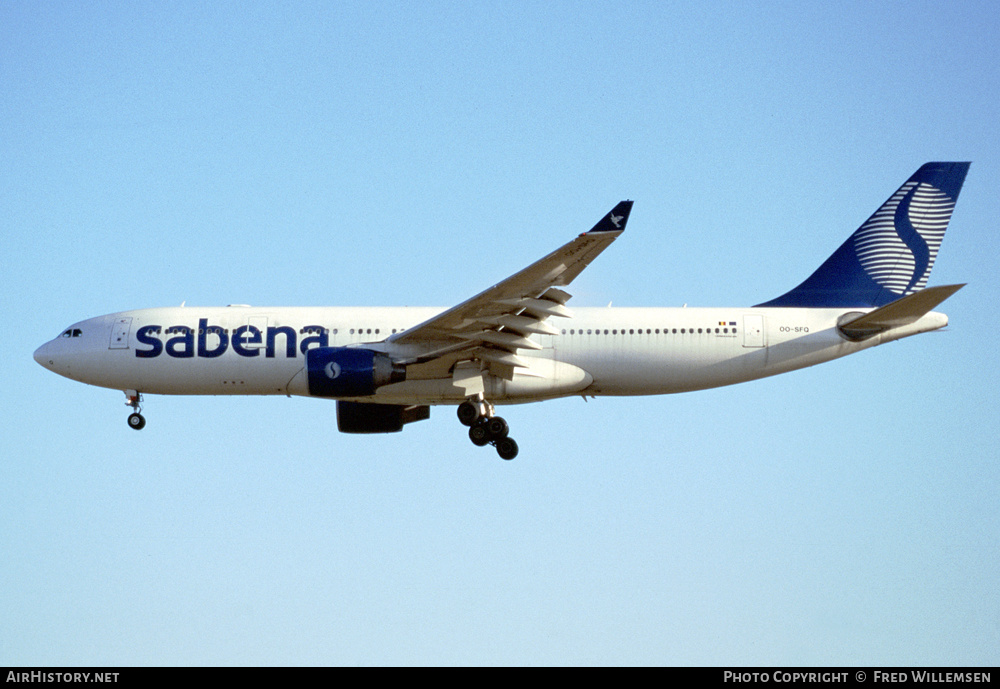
[(416, 153)]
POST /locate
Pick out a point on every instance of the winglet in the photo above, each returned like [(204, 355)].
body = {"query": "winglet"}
[(615, 220)]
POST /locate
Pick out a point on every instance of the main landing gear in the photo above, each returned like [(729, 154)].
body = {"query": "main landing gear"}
[(135, 419), (485, 428)]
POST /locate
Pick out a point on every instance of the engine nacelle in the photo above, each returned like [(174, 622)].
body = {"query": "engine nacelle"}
[(361, 417), (349, 372)]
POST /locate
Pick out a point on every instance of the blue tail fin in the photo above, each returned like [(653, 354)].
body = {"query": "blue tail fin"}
[(892, 253)]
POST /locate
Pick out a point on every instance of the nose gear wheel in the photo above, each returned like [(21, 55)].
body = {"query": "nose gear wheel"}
[(135, 420)]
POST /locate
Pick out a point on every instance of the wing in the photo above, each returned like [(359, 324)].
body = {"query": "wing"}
[(492, 326)]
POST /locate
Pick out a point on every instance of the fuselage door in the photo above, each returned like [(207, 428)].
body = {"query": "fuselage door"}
[(255, 334), (753, 330), (119, 333)]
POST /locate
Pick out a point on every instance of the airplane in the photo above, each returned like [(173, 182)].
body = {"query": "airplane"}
[(517, 342)]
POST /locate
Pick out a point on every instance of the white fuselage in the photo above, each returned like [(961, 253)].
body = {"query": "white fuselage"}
[(241, 350)]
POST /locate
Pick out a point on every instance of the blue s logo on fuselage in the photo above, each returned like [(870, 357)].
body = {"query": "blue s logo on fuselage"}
[(246, 341)]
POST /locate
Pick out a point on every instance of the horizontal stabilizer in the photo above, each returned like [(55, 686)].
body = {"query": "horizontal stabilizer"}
[(903, 311)]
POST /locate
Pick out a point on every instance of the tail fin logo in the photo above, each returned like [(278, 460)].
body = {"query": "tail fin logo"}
[(898, 244)]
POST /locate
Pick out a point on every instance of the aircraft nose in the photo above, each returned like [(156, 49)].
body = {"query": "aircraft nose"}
[(43, 355)]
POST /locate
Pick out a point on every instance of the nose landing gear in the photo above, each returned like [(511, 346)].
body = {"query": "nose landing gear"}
[(135, 419), (485, 428)]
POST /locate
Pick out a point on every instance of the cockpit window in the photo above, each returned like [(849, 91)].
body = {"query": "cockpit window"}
[(72, 332)]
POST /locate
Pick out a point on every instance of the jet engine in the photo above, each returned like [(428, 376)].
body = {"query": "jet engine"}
[(349, 372), (360, 417)]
